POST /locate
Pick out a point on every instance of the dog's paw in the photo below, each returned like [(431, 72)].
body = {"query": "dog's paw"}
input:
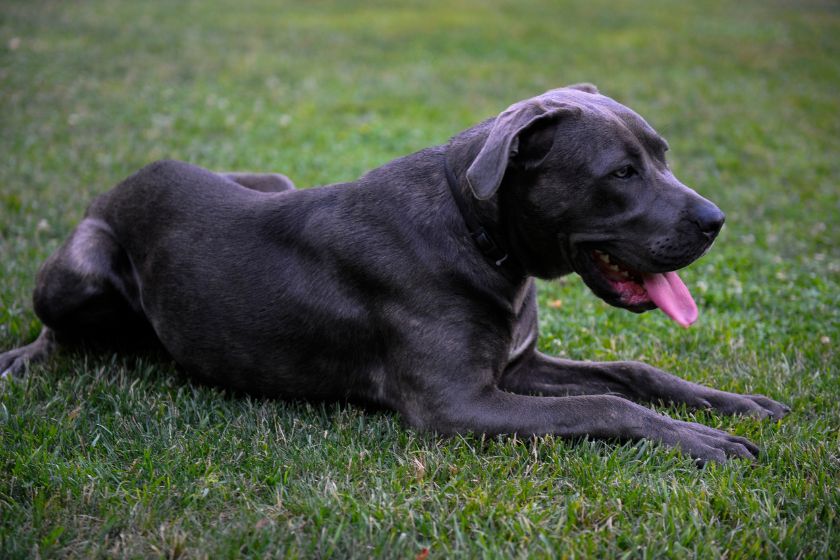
[(758, 406), (706, 444), (13, 363)]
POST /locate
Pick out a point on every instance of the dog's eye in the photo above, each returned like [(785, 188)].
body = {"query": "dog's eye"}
[(625, 172)]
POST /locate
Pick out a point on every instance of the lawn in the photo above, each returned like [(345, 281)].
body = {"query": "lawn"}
[(106, 456)]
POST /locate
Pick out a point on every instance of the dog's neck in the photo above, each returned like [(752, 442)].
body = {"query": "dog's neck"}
[(491, 216), (483, 220), (498, 215), (481, 236)]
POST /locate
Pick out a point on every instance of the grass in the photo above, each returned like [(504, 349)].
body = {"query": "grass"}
[(105, 456)]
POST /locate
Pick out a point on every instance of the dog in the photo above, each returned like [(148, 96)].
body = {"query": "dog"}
[(413, 287)]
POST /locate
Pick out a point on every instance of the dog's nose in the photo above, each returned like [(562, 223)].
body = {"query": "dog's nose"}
[(709, 219)]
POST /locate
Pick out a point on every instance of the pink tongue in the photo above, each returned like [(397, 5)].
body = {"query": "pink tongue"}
[(671, 296)]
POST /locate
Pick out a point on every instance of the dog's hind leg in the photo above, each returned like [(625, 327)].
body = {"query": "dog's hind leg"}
[(85, 292)]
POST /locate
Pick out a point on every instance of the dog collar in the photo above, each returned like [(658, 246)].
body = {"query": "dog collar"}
[(482, 238)]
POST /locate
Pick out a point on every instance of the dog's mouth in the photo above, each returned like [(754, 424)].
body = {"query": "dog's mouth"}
[(621, 285)]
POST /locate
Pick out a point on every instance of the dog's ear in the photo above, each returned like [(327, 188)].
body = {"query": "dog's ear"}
[(488, 169), (587, 87)]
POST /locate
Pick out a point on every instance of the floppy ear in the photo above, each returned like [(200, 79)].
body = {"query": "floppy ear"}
[(587, 87), (488, 169)]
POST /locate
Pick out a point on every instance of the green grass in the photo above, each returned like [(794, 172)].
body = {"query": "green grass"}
[(111, 457)]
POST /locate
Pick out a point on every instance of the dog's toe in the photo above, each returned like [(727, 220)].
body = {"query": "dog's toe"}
[(775, 409), (757, 406), (12, 366)]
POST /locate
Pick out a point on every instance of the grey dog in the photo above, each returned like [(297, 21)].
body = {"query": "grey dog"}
[(413, 287)]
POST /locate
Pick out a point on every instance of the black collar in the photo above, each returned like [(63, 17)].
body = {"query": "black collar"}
[(479, 234)]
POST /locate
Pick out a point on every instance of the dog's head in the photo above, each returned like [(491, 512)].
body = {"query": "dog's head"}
[(586, 187)]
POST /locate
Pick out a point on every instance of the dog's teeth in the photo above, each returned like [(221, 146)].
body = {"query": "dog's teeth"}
[(614, 267), (604, 257)]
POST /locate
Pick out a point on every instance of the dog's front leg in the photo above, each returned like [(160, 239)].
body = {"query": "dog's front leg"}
[(546, 375), (493, 411)]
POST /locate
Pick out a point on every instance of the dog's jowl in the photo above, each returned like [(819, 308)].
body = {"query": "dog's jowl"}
[(413, 287)]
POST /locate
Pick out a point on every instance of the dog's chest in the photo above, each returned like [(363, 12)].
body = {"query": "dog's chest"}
[(524, 332)]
